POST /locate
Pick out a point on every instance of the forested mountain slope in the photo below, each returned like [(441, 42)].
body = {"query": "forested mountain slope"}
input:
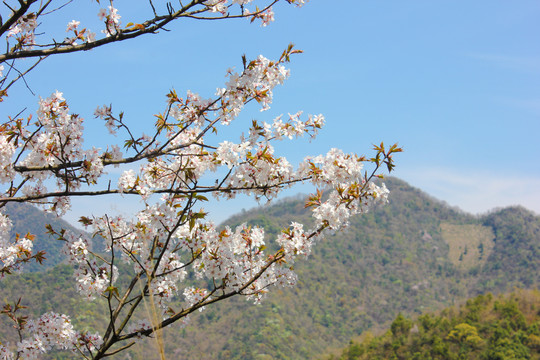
[(485, 327), (413, 255), (394, 259)]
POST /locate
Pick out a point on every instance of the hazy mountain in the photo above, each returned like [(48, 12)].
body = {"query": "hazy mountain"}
[(413, 255)]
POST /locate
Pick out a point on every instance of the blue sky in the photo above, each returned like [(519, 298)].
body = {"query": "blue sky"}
[(455, 83)]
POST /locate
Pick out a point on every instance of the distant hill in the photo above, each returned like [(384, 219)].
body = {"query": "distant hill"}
[(485, 327), (413, 255)]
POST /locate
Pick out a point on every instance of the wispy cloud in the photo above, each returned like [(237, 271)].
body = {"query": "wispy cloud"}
[(477, 191)]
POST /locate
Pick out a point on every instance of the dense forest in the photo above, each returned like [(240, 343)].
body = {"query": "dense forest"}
[(486, 327), (412, 256)]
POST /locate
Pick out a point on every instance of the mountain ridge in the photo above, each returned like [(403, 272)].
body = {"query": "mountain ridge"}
[(396, 258)]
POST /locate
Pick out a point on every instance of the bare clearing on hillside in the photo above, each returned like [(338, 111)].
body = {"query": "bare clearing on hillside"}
[(470, 245)]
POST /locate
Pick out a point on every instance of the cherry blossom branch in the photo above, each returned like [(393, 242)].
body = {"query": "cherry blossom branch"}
[(201, 304), (156, 191), (150, 26), (167, 240), (17, 14)]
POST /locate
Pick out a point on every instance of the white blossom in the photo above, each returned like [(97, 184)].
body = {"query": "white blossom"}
[(5, 353), (73, 25), (127, 180), (267, 17), (7, 149)]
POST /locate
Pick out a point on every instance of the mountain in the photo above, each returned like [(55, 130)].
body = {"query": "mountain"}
[(485, 327), (415, 254), (412, 255)]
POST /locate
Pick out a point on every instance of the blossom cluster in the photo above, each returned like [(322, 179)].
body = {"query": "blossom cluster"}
[(112, 20), (92, 278), (56, 141), (7, 149), (24, 31), (83, 35), (195, 296), (9, 254), (266, 15), (51, 331), (220, 6), (138, 326), (257, 81), (13, 252)]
